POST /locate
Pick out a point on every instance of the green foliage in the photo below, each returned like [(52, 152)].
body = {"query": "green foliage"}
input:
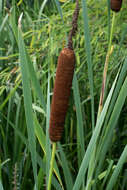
[(92, 153)]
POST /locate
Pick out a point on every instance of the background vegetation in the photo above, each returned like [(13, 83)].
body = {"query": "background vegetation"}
[(85, 158)]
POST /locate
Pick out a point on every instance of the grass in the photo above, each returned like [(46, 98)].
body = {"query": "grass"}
[(28, 60)]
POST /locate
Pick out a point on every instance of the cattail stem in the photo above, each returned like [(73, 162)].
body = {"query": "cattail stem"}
[(111, 35), (109, 52), (51, 165)]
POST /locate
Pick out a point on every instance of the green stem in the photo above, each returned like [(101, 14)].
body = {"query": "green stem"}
[(109, 52), (111, 34), (51, 165)]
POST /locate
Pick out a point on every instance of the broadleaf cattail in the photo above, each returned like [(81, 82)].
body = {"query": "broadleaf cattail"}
[(116, 5), (63, 83)]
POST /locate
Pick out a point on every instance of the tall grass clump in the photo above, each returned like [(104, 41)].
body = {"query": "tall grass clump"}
[(62, 102)]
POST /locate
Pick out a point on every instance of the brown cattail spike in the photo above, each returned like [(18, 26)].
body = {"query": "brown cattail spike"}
[(74, 26), (61, 93), (116, 5), (63, 83)]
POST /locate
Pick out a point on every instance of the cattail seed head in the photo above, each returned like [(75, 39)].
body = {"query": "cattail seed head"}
[(61, 93), (116, 5)]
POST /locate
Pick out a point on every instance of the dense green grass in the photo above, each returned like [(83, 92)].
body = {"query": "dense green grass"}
[(92, 153)]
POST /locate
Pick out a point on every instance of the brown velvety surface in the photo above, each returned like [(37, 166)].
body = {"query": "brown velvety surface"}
[(61, 93), (116, 5)]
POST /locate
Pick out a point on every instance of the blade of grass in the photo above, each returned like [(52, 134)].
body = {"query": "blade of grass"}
[(16, 138), (109, 132), (27, 101), (66, 170), (35, 83), (13, 21), (59, 9), (1, 186), (3, 23), (109, 25), (92, 143), (42, 8), (61, 15), (79, 116), (42, 141), (110, 124), (48, 145), (107, 174), (117, 170), (89, 57), (10, 95), (1, 12), (124, 182)]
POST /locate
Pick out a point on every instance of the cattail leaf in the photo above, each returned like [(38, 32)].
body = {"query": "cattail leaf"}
[(1, 186), (13, 22), (66, 170), (89, 56), (3, 23), (107, 173), (9, 95), (42, 141), (27, 102), (92, 143), (1, 11), (48, 144), (113, 120), (40, 135), (106, 140), (117, 170), (80, 131), (22, 137), (109, 19), (17, 131), (35, 82), (59, 9), (56, 184), (61, 15), (42, 8)]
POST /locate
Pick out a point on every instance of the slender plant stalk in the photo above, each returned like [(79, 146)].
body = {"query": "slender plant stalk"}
[(51, 166), (109, 52)]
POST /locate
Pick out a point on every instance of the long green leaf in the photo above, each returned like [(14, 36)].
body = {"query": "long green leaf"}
[(35, 83), (66, 170), (92, 144), (89, 57), (27, 102), (59, 9), (79, 116), (117, 170), (42, 141)]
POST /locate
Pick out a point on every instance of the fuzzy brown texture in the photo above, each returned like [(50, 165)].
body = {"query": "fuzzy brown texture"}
[(116, 5), (61, 93), (74, 26)]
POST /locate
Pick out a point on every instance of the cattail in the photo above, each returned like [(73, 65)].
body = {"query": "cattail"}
[(63, 83), (116, 5), (61, 93)]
